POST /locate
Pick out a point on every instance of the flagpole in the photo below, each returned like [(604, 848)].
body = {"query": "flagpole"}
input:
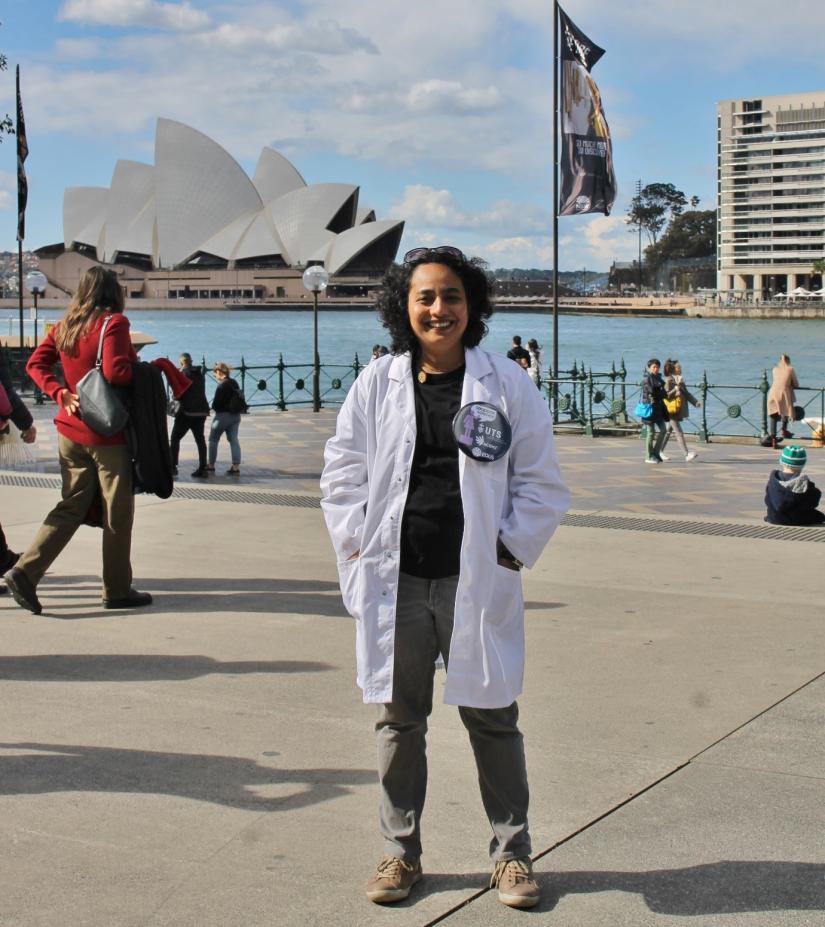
[(555, 210), (19, 238)]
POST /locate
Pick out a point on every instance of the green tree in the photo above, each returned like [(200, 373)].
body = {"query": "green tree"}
[(819, 268), (691, 234), (650, 208)]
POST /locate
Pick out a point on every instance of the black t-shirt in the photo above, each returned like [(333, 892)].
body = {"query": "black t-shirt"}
[(433, 522)]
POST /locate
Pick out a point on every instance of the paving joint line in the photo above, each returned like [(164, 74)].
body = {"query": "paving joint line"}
[(652, 785)]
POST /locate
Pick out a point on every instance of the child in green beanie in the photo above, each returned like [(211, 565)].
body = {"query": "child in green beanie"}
[(791, 497)]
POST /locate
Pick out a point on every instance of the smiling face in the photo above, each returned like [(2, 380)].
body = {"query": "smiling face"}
[(438, 312)]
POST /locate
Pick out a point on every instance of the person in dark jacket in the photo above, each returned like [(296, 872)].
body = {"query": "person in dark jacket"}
[(22, 419), (791, 496), (517, 352), (191, 416), (653, 392), (226, 402)]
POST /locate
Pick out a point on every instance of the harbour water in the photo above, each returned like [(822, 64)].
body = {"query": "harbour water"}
[(732, 351)]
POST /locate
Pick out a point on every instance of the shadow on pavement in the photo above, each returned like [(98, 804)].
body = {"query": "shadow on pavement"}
[(37, 769), (108, 667), (202, 595), (725, 887)]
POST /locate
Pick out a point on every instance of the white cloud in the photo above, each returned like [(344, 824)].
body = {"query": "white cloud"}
[(8, 185), (146, 13), (431, 207), (326, 37), (452, 96)]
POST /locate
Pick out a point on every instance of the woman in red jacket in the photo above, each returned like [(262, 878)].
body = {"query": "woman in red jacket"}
[(89, 462)]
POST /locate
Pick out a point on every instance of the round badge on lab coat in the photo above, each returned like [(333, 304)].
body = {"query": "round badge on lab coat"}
[(482, 431)]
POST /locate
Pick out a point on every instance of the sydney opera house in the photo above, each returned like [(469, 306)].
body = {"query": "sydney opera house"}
[(193, 225)]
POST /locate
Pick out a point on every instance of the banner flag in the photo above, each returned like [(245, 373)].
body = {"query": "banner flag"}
[(588, 183), (22, 154)]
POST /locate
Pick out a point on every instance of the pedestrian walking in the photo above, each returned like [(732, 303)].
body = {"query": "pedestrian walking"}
[(536, 361), (13, 411), (653, 393), (228, 404), (95, 469), (781, 398), (430, 542), (677, 401), (193, 409)]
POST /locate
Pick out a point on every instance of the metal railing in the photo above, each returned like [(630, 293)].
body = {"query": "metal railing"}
[(593, 402), (605, 402), (282, 386)]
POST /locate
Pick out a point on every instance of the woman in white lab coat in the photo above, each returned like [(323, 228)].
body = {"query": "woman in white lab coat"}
[(430, 542)]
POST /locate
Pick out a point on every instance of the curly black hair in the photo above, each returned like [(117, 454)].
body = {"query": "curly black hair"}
[(392, 298)]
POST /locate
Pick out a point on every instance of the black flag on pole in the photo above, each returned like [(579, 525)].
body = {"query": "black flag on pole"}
[(588, 183), (22, 154)]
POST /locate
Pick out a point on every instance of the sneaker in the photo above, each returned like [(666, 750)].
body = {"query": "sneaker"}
[(22, 590), (786, 433), (653, 460), (233, 471), (516, 885), (691, 455), (134, 599), (200, 473), (663, 457), (393, 880)]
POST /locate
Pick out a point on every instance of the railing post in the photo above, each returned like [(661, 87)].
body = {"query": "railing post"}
[(764, 387), (280, 368), (243, 376), (574, 376), (623, 375), (357, 367), (589, 427), (582, 405), (703, 388)]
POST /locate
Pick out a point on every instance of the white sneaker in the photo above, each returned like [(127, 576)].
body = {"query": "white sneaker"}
[(663, 456), (652, 460), (691, 455)]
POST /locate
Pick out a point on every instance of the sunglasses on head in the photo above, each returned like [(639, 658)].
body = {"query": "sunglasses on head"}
[(418, 253)]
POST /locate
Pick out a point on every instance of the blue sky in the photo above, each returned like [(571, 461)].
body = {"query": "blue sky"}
[(440, 110)]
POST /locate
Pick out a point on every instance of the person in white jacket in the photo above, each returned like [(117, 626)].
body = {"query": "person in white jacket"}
[(440, 483)]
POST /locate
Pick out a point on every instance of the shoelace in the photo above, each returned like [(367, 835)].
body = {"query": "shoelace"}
[(519, 871), (391, 866)]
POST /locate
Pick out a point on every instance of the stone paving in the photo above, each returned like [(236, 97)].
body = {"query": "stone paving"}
[(284, 451), (207, 761)]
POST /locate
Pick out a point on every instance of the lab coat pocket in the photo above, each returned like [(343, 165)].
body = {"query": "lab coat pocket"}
[(506, 602), (349, 579)]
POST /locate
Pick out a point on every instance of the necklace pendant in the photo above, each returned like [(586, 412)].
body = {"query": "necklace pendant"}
[(422, 376)]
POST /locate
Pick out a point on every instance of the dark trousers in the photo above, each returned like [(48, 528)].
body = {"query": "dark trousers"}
[(775, 421), (182, 424)]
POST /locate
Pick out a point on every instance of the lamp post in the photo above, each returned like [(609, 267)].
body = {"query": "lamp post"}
[(35, 283), (315, 280)]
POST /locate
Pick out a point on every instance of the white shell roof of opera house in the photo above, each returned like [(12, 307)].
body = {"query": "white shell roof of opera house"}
[(196, 198)]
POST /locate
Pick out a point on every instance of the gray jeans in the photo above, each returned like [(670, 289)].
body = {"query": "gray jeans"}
[(423, 627)]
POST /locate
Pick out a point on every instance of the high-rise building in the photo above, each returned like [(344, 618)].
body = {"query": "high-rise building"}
[(771, 190)]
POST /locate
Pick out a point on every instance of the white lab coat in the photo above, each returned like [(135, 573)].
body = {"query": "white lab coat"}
[(520, 498)]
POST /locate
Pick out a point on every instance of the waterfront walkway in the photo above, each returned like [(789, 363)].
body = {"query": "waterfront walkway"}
[(208, 761)]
